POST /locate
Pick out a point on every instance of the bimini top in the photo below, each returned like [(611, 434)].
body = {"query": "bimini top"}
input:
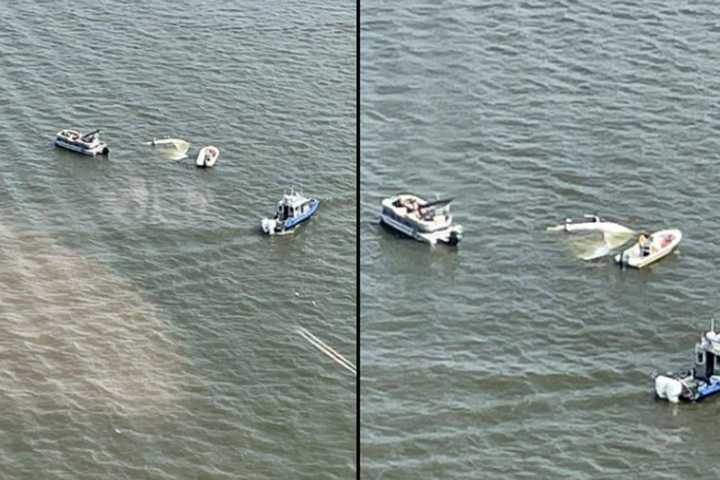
[(73, 136)]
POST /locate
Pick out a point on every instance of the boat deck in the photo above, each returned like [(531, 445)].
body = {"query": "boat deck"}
[(429, 224)]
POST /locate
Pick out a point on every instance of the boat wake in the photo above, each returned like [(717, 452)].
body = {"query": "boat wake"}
[(324, 348)]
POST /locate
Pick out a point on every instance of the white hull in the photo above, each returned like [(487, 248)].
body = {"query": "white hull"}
[(429, 222), (432, 238), (269, 226), (591, 223), (662, 244), (98, 149), (207, 156), (173, 148), (604, 227)]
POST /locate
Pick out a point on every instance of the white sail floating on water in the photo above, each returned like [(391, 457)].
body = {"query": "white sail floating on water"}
[(173, 148), (612, 236)]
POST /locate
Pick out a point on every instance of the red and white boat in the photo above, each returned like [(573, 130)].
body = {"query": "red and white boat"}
[(658, 245), (207, 156)]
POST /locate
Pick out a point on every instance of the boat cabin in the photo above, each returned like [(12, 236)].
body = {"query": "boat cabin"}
[(291, 206), (707, 356)]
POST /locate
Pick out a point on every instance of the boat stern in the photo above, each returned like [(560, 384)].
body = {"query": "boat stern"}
[(455, 235), (269, 225), (668, 388)]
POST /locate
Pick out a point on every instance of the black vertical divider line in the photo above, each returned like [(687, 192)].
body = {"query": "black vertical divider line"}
[(357, 240)]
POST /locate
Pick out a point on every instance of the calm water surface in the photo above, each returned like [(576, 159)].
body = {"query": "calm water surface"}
[(147, 329), (509, 357)]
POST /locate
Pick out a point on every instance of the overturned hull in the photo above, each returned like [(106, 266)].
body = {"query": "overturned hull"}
[(174, 148), (587, 245), (591, 223)]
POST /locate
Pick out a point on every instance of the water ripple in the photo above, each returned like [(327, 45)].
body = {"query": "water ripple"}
[(510, 348), (147, 325)]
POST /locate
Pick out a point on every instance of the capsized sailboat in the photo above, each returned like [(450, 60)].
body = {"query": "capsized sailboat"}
[(613, 236), (175, 148), (591, 223)]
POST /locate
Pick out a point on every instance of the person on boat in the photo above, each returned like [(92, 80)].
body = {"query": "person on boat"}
[(644, 243)]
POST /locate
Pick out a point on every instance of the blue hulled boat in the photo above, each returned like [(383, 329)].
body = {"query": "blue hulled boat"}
[(698, 382), (292, 210)]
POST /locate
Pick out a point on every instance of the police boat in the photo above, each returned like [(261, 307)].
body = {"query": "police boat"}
[(292, 210), (701, 381)]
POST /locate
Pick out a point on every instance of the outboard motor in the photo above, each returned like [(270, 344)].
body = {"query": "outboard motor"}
[(668, 388), (620, 259)]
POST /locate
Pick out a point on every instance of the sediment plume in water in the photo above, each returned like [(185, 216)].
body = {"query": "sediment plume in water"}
[(74, 336)]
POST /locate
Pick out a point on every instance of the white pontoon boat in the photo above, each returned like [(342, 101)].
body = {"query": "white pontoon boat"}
[(88, 144), (429, 222)]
